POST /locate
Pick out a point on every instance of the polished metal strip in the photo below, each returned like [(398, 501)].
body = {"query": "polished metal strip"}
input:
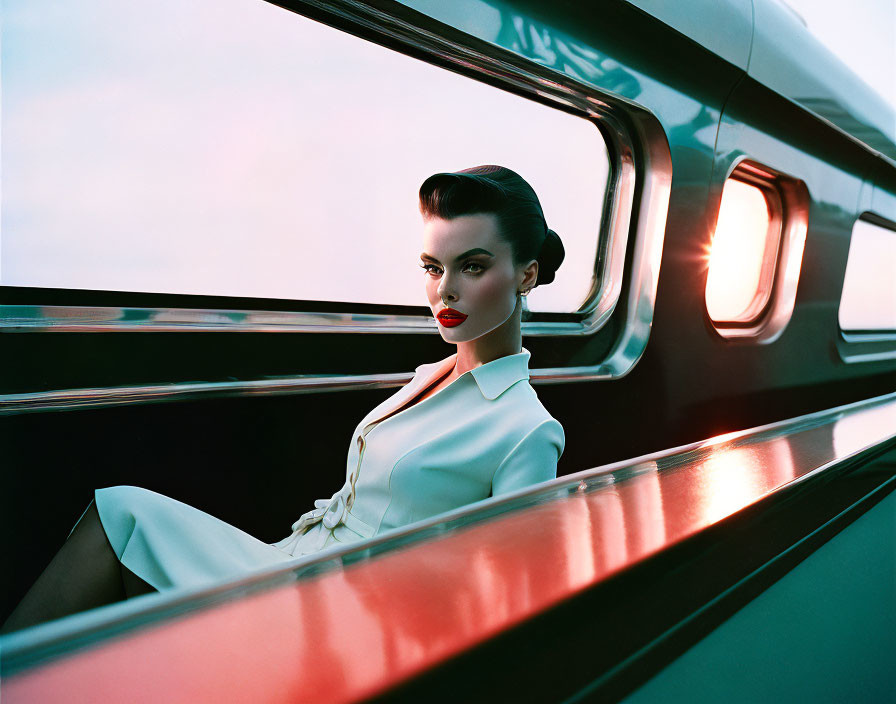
[(876, 336), (73, 399), (33, 318), (496, 65), (866, 425), (870, 347), (104, 397)]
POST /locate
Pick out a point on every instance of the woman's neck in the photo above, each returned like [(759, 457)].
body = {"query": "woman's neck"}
[(504, 340)]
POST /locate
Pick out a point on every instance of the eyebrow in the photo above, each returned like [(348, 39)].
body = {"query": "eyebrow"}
[(468, 253)]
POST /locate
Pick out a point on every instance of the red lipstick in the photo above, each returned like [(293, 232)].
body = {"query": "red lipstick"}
[(450, 318)]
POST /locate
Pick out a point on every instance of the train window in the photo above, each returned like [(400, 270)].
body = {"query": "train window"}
[(756, 253), (743, 255), (233, 148), (868, 301)]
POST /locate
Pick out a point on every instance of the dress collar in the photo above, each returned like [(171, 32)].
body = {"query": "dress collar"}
[(493, 378)]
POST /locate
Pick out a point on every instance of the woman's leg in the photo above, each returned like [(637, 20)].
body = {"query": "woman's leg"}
[(84, 574)]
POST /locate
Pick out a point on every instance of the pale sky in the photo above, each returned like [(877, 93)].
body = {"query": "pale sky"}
[(862, 33), (233, 148), (198, 160)]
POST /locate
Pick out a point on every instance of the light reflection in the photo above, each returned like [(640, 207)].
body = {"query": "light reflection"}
[(856, 431), (579, 531), (735, 477), (719, 439), (742, 252), (646, 528), (608, 527)]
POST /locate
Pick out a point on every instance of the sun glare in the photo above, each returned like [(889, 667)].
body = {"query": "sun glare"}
[(741, 261)]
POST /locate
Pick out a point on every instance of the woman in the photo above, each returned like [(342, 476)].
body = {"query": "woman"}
[(464, 428)]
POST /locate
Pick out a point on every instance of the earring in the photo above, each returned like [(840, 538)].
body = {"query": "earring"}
[(525, 293)]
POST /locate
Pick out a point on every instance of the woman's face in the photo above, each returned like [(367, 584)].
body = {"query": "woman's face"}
[(469, 267)]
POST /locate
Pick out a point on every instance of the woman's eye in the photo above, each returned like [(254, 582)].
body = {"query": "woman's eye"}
[(472, 267)]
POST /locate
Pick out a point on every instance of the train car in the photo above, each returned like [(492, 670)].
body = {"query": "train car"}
[(209, 232)]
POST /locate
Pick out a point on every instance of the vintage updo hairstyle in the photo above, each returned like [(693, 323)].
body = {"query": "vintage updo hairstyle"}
[(497, 190)]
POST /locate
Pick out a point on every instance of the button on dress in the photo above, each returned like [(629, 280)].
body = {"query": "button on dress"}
[(484, 434)]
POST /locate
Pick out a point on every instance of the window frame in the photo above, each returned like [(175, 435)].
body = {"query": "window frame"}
[(631, 231), (872, 345), (490, 69)]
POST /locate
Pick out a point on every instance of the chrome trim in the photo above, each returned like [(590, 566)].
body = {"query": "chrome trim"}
[(647, 254), (25, 318), (73, 399), (867, 356), (794, 197), (877, 336), (105, 397), (34, 318), (871, 419), (873, 347), (513, 72)]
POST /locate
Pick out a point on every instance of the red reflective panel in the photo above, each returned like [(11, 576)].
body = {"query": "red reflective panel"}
[(347, 634)]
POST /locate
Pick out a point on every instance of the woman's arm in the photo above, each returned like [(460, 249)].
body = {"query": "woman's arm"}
[(532, 460)]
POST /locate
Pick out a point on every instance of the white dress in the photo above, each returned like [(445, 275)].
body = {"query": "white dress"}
[(484, 434)]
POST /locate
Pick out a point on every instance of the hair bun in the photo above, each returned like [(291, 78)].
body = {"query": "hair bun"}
[(550, 258)]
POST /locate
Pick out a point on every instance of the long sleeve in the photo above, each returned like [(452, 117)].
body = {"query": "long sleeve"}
[(532, 460)]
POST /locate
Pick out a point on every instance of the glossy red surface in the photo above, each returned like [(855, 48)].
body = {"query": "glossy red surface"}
[(347, 634)]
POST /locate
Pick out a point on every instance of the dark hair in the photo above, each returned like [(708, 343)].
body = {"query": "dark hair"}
[(504, 193)]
